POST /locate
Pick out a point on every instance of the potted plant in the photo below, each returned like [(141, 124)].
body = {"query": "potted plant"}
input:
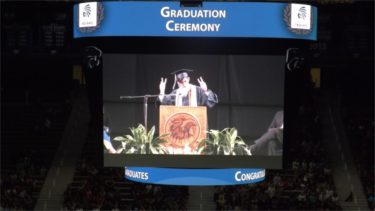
[(225, 142), (141, 142)]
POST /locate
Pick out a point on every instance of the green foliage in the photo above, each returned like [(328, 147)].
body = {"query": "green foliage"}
[(225, 142), (142, 142)]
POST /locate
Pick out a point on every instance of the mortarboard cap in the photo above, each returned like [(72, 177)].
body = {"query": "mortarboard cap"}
[(181, 73)]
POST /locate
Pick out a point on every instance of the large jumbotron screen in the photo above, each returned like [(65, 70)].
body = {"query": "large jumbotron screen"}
[(224, 110), (243, 127)]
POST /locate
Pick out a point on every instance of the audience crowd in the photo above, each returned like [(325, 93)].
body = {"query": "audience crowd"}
[(20, 185), (107, 189)]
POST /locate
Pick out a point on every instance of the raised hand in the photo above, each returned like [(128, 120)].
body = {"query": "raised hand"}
[(162, 84), (202, 84)]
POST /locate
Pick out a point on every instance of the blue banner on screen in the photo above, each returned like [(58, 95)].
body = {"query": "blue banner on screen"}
[(198, 177), (213, 19)]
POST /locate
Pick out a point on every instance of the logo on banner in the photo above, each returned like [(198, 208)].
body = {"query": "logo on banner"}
[(298, 18), (302, 13), (90, 15)]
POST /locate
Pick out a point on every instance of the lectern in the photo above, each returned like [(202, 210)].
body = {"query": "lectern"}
[(186, 126)]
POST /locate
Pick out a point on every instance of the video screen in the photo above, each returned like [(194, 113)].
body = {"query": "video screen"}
[(193, 110)]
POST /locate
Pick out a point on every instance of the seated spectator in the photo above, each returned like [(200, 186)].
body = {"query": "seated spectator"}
[(108, 147)]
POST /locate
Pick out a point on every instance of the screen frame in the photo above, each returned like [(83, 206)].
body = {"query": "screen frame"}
[(235, 46)]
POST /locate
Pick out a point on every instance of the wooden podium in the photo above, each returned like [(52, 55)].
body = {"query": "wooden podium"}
[(186, 126)]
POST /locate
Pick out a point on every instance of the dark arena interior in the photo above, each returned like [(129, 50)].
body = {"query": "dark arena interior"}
[(52, 98)]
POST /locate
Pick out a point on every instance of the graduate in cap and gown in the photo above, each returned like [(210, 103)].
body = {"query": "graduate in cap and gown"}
[(187, 94)]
